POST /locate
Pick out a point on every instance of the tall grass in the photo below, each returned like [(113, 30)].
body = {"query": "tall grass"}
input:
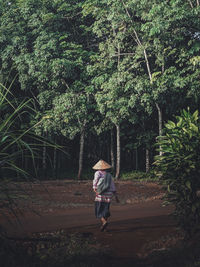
[(17, 142)]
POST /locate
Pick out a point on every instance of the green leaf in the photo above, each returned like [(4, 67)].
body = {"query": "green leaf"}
[(180, 122), (195, 115), (170, 125), (4, 138), (194, 127)]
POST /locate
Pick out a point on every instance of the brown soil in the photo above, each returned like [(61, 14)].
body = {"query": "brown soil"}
[(139, 224)]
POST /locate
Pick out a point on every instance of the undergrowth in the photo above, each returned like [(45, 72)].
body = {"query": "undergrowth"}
[(138, 175), (60, 249), (52, 249)]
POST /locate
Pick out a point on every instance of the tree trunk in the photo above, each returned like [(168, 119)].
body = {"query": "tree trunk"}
[(159, 124), (112, 150), (82, 139), (44, 159), (118, 153), (55, 160), (147, 161), (136, 159), (190, 2), (159, 119), (59, 156)]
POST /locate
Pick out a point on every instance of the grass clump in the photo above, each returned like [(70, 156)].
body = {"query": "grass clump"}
[(138, 176)]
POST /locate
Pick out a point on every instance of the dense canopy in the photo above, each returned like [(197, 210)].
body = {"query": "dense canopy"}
[(104, 75)]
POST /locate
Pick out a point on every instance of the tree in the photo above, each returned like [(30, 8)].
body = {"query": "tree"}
[(130, 59), (71, 115), (160, 33), (109, 69), (48, 50), (155, 61)]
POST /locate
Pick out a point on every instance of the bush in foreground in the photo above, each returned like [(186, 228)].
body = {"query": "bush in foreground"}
[(179, 168)]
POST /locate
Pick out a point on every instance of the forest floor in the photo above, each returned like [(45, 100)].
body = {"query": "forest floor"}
[(139, 224)]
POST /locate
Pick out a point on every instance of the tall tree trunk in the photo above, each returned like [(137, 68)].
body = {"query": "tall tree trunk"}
[(82, 139), (55, 159), (139, 43), (117, 174), (136, 159), (159, 119), (147, 160), (112, 150), (159, 124), (44, 160), (44, 157), (118, 152)]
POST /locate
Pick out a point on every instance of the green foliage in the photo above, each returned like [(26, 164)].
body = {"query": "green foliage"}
[(139, 176), (179, 168), (43, 44), (18, 143), (99, 50), (12, 136)]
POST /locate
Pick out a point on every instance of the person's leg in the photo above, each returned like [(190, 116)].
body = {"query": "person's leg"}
[(104, 224), (103, 220)]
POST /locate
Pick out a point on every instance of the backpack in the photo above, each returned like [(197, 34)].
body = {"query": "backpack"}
[(104, 183)]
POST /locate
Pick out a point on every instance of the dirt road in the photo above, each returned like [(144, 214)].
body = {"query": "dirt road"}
[(138, 224), (131, 227)]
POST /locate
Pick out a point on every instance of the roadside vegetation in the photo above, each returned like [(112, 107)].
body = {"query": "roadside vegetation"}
[(178, 168), (139, 176), (81, 250)]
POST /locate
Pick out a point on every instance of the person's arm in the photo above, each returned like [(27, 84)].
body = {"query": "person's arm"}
[(95, 181)]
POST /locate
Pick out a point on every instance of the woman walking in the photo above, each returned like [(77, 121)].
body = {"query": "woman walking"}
[(104, 188)]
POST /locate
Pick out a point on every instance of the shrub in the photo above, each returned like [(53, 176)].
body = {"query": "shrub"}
[(138, 175), (179, 168)]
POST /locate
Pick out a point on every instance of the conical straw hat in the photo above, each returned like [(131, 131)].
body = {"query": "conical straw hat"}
[(101, 165)]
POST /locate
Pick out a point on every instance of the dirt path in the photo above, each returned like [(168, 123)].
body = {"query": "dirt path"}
[(138, 224), (131, 228)]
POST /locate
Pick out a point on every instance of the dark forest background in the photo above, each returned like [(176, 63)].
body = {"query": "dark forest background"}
[(101, 79)]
